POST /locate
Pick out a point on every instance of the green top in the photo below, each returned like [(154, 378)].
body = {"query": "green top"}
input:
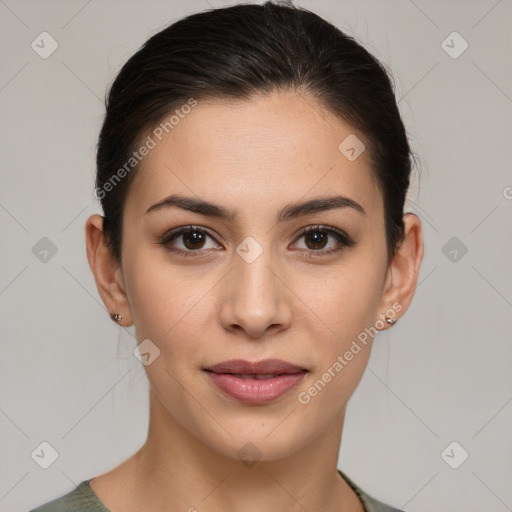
[(83, 499)]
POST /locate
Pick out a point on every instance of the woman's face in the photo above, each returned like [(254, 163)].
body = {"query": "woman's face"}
[(251, 286)]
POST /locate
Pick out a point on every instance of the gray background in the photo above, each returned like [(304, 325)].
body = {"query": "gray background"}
[(442, 374)]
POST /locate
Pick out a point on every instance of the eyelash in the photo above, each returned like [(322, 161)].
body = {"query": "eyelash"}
[(343, 240)]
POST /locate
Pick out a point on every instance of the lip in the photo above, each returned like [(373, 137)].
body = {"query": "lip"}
[(237, 378), (263, 367)]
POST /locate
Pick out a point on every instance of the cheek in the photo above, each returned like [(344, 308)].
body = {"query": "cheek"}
[(342, 335), (170, 305), (169, 309), (342, 342), (344, 302)]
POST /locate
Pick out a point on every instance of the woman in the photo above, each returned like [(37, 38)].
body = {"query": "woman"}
[(252, 169)]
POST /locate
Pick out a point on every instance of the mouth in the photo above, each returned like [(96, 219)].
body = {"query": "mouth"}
[(261, 368), (256, 376), (256, 382)]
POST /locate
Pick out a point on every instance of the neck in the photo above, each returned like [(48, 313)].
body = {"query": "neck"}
[(174, 470)]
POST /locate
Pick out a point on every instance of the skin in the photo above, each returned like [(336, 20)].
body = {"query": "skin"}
[(253, 157)]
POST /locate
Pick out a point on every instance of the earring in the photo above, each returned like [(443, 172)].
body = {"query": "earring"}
[(390, 321), (116, 317)]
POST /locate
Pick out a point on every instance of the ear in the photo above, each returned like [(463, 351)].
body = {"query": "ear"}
[(107, 271), (403, 270)]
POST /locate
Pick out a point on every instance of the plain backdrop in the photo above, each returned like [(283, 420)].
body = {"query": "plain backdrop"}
[(438, 387)]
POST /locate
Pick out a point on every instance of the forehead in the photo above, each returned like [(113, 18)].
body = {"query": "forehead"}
[(254, 153)]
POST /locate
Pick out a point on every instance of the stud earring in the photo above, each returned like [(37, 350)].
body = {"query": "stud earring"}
[(116, 317), (390, 321)]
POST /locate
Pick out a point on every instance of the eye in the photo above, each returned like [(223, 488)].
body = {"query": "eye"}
[(192, 239), (316, 240)]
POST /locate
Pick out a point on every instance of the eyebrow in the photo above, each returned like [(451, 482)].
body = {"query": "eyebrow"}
[(290, 211)]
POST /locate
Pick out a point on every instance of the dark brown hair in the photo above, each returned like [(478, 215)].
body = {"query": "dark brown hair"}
[(237, 52)]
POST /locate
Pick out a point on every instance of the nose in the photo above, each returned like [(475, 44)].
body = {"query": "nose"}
[(256, 298)]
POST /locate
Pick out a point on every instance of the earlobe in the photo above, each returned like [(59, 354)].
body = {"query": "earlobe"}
[(107, 272), (403, 271)]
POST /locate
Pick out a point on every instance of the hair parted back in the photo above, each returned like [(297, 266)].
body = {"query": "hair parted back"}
[(239, 52)]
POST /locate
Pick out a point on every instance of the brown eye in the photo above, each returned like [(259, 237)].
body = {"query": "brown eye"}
[(193, 239), (189, 241), (316, 240)]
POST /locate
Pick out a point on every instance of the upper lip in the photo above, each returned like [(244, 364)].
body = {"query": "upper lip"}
[(264, 367)]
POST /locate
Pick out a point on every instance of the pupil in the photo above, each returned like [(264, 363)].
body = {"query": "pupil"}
[(195, 237), (318, 238)]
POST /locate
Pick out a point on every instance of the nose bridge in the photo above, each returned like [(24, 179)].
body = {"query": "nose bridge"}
[(255, 298), (254, 279), (254, 282)]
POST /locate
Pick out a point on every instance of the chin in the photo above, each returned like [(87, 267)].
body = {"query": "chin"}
[(258, 440)]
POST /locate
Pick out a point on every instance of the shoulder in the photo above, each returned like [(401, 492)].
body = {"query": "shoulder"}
[(369, 502), (80, 499)]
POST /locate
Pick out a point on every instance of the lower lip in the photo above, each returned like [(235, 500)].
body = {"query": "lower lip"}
[(254, 391)]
